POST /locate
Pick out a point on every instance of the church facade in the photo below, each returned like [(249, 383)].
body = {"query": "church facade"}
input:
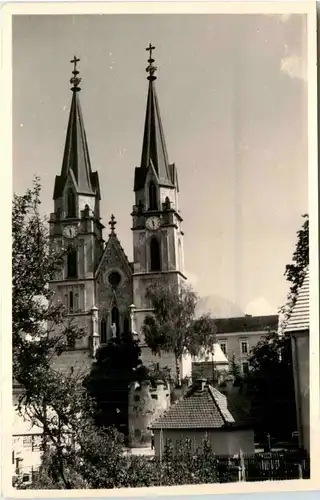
[(101, 289)]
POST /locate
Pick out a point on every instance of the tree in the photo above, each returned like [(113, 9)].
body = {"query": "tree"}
[(173, 326), (270, 382), (270, 387), (235, 368), (41, 331), (296, 270), (108, 381)]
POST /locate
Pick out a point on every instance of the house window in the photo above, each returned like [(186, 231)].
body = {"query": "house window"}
[(155, 255), (137, 398), (153, 205), (154, 396), (244, 347), (36, 443), (223, 346), (27, 441), (245, 368), (115, 319), (72, 263), (71, 203), (103, 331)]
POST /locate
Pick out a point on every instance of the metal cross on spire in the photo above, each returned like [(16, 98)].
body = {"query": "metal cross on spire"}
[(151, 69), (75, 80), (112, 224)]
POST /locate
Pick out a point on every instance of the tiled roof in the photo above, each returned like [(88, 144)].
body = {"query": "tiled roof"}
[(299, 318), (246, 324), (199, 409)]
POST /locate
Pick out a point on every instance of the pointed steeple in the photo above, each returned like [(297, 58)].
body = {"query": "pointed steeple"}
[(76, 154), (154, 149)]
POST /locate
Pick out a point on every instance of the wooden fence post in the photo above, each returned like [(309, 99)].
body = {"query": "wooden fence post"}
[(242, 466)]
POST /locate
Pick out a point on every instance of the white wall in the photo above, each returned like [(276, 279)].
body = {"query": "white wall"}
[(222, 442), (26, 439)]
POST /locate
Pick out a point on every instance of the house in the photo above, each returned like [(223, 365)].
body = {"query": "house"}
[(237, 336), (26, 443), (210, 363), (298, 329), (204, 413)]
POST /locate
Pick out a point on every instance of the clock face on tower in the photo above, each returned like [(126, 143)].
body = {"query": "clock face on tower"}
[(70, 232), (153, 223)]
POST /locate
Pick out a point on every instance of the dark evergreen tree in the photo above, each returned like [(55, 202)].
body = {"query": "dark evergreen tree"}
[(108, 382)]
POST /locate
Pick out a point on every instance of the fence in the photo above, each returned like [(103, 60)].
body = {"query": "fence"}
[(277, 466), (274, 466)]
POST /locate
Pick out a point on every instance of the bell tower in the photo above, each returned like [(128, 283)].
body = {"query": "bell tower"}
[(156, 220), (75, 225)]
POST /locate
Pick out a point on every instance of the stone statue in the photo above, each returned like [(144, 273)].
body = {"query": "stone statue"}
[(114, 330)]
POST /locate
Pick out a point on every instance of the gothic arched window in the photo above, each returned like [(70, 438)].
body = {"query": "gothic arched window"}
[(153, 205), (103, 331), (72, 264), (115, 319), (155, 255), (71, 203)]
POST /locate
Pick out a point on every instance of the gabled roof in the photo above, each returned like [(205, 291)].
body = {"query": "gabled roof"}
[(203, 407), (246, 324), (76, 154), (154, 147), (113, 246), (300, 314)]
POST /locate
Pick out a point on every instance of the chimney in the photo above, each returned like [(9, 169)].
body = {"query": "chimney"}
[(201, 384)]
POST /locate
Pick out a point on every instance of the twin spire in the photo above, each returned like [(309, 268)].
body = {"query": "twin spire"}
[(76, 154)]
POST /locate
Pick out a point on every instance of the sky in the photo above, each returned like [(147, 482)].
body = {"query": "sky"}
[(232, 91)]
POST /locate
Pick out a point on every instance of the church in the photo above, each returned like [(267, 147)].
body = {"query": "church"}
[(101, 289)]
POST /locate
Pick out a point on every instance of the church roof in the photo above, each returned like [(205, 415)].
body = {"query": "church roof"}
[(154, 150), (299, 318), (203, 407), (76, 153), (114, 254)]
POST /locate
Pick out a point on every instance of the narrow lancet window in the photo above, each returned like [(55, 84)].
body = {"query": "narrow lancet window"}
[(72, 263), (71, 301), (153, 205), (155, 255), (103, 331), (71, 203), (126, 325)]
